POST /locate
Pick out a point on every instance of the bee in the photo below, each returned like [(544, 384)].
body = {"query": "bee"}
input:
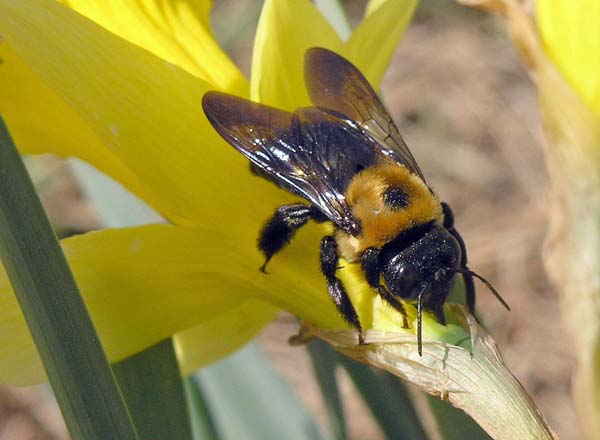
[(347, 159)]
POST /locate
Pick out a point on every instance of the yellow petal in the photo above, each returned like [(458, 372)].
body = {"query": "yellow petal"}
[(41, 122), (144, 109), (286, 29), (373, 43), (277, 62), (372, 6), (174, 30), (144, 284), (570, 32), (218, 337)]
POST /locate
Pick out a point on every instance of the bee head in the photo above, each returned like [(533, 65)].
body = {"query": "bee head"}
[(403, 279)]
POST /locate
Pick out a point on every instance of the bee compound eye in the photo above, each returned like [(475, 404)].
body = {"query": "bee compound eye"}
[(402, 279), (396, 198)]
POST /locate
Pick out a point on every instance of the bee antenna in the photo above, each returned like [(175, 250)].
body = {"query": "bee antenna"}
[(488, 285)]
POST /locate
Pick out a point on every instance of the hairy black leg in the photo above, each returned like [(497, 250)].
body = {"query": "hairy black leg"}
[(370, 264), (337, 292), (448, 216), (467, 278), (279, 229)]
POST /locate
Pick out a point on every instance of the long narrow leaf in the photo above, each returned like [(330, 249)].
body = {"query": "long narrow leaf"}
[(324, 361), (150, 380), (202, 420), (250, 401), (387, 399), (453, 423), (61, 327), (152, 386)]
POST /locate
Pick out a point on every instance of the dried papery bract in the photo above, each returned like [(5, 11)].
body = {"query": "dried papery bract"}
[(477, 382)]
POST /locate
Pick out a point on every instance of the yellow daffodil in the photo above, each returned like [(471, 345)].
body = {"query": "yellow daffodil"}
[(119, 84), (563, 55), (571, 38), (570, 102)]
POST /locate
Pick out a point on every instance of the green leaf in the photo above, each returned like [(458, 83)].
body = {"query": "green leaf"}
[(151, 380), (250, 401), (453, 423), (388, 400), (324, 361), (203, 423), (61, 327), (152, 386)]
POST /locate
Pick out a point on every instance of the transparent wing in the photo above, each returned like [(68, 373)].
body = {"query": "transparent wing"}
[(306, 152), (333, 83)]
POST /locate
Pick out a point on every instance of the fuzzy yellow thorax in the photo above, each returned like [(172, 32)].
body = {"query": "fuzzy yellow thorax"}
[(381, 223)]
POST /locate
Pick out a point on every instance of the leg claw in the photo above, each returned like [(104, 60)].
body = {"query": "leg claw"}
[(361, 338)]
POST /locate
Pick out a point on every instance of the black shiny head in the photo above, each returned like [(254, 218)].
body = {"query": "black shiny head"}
[(423, 256), (420, 265)]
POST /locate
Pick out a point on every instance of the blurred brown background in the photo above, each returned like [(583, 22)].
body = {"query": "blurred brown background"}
[(468, 111)]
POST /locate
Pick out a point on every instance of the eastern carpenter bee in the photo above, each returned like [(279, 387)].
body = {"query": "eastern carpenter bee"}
[(346, 157)]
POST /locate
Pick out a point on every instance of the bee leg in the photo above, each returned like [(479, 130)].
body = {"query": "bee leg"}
[(370, 264), (467, 278), (335, 288), (281, 227), (448, 216)]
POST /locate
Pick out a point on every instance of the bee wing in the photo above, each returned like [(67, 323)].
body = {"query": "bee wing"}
[(333, 83), (303, 151)]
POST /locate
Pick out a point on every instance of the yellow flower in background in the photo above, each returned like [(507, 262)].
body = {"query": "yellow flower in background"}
[(119, 84), (563, 56), (570, 104), (570, 33)]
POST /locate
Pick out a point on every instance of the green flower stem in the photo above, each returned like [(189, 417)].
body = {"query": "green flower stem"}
[(61, 327), (152, 386)]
